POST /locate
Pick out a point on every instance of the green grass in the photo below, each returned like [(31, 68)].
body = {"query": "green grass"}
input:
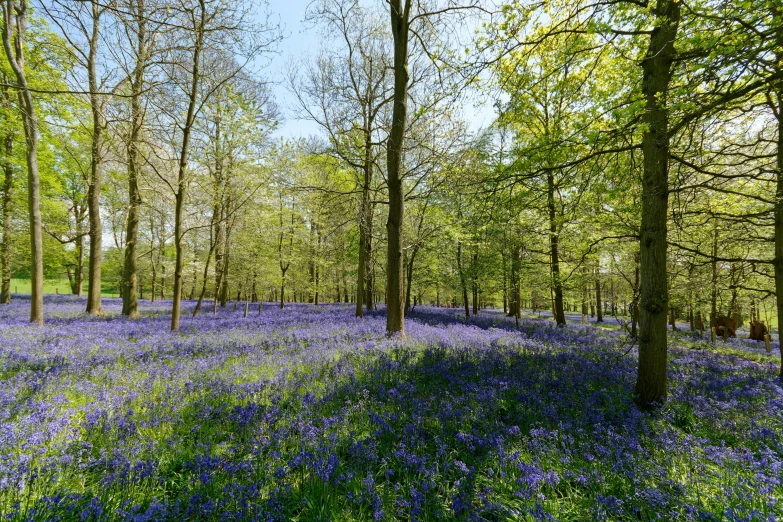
[(62, 286)]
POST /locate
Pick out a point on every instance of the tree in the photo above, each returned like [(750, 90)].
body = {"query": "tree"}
[(14, 31)]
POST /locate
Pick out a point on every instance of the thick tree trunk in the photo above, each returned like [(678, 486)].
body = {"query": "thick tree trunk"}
[(130, 301), (653, 348), (778, 264), (94, 305), (400, 24)]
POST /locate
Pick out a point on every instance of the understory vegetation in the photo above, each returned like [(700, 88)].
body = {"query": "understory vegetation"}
[(310, 413)]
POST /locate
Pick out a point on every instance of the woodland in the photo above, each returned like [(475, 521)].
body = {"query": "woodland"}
[(570, 312)]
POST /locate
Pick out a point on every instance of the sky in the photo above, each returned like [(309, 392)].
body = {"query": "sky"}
[(301, 43)]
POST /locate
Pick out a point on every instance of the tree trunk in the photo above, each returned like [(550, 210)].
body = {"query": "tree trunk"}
[(778, 264), (474, 282), (714, 282), (94, 305), (400, 24), (505, 283), (557, 285), (154, 279), (515, 305), (15, 27), (8, 187), (182, 168), (78, 276), (409, 280), (203, 291), (462, 282), (369, 291), (282, 291), (598, 300), (224, 268), (650, 386), (130, 301)]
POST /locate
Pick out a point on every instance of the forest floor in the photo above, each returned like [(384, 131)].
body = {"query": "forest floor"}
[(307, 413)]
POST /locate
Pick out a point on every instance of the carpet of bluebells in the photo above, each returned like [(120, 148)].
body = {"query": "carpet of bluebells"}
[(307, 413)]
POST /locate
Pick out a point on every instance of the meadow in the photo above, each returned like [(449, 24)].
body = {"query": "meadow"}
[(308, 413)]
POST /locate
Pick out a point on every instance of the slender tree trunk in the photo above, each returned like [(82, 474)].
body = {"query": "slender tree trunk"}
[(409, 279), (154, 280), (515, 305), (8, 187), (78, 276), (714, 282), (557, 285), (657, 70), (462, 282), (226, 255), (505, 284), (400, 24), (14, 29), (182, 169), (282, 291), (598, 300), (369, 291), (474, 282), (635, 302), (203, 291), (317, 271)]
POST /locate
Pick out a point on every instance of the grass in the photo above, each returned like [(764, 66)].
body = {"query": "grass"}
[(60, 286)]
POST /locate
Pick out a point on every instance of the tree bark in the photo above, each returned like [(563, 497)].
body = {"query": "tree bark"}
[(557, 285), (400, 24), (777, 14), (364, 227), (474, 282), (14, 28), (8, 187), (462, 282), (182, 168), (598, 300), (714, 282), (650, 386), (94, 305), (130, 301)]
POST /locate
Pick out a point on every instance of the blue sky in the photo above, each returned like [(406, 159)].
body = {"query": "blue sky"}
[(302, 42)]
